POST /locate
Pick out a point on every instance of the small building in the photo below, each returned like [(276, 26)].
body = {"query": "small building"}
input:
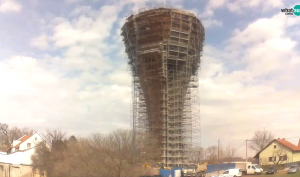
[(21, 150), (25, 142), (279, 151), (16, 162)]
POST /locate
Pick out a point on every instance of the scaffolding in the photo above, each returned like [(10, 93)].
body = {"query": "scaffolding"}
[(164, 46)]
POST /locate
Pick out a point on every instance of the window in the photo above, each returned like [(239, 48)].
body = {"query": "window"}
[(270, 159), (249, 167), (35, 138), (275, 146), (226, 172), (28, 145), (283, 158)]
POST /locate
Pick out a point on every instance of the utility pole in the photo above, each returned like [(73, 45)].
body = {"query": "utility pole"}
[(218, 155), (246, 150)]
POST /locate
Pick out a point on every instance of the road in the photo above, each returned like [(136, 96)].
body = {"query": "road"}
[(278, 174)]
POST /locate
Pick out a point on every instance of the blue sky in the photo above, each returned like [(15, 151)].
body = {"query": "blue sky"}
[(63, 64)]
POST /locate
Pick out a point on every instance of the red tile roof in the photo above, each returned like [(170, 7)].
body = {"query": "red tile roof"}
[(288, 144), (283, 142), (24, 138)]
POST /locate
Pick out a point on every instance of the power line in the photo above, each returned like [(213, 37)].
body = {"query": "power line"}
[(293, 137), (240, 146)]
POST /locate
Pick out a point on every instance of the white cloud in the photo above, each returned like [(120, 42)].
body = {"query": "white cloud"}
[(240, 7), (43, 97), (40, 42), (236, 101), (244, 6), (258, 31), (86, 30), (209, 23), (82, 10), (72, 1), (79, 87), (292, 20), (9, 6)]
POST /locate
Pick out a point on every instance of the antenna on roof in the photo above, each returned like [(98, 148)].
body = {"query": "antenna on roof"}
[(164, 3)]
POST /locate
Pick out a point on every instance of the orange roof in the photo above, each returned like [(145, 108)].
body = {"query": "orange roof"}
[(288, 144), (24, 138), (283, 142)]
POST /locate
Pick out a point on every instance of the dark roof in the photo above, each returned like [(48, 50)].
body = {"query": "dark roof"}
[(284, 143)]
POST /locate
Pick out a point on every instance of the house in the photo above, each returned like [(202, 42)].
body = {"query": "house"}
[(279, 151), (16, 162), (21, 150), (25, 142)]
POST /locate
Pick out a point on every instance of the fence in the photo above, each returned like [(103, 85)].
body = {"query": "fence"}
[(220, 167), (288, 165)]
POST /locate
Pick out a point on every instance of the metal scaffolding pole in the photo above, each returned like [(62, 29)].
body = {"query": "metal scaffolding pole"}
[(164, 47)]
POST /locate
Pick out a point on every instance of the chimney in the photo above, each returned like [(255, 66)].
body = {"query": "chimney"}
[(299, 143), (279, 138), (283, 138)]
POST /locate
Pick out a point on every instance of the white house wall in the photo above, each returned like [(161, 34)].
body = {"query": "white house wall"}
[(34, 140)]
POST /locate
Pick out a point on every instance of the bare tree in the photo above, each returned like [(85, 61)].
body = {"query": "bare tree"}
[(280, 154), (230, 152), (27, 131), (212, 153), (260, 140), (197, 155), (72, 138), (8, 135), (4, 129), (48, 158), (41, 159), (14, 134), (53, 135), (118, 154), (222, 152)]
